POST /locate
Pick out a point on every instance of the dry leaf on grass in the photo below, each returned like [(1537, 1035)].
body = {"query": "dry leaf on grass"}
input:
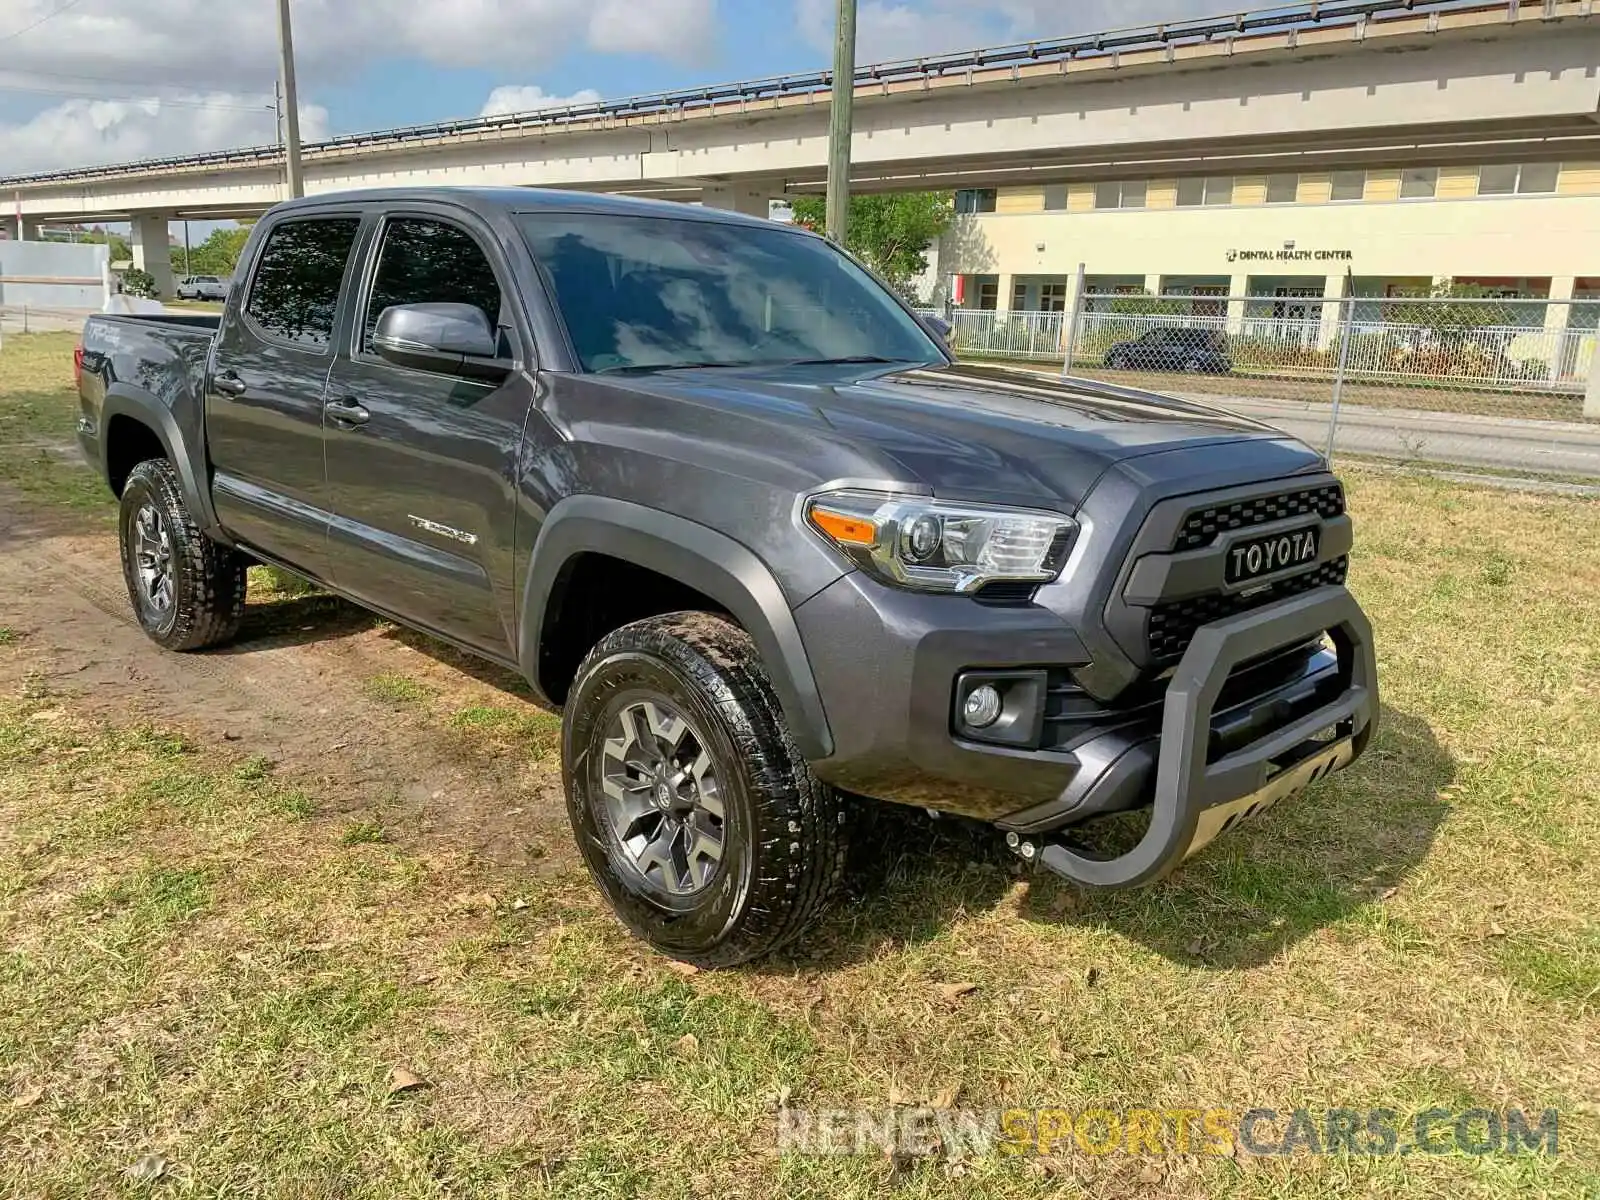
[(27, 1099), (150, 1168), (682, 968), (404, 1079), (945, 1097), (951, 992), (688, 1045)]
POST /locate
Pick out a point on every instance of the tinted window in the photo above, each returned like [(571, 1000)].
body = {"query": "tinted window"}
[(1191, 192), (655, 292), (1282, 189), (295, 291), (427, 262), (1419, 183)]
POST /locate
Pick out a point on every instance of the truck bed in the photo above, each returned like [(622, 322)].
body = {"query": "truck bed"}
[(204, 324)]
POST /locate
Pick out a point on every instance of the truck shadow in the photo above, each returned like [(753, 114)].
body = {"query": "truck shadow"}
[(1314, 861)]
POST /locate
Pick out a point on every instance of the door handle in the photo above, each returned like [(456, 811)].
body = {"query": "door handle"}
[(229, 384), (347, 410)]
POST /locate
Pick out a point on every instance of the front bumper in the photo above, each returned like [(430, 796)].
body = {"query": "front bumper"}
[(1198, 794), (1200, 757)]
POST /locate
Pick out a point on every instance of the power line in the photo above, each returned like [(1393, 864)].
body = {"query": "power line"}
[(192, 82), (55, 12), (174, 101)]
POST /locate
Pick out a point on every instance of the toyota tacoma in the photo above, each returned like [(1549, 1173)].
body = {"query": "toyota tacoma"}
[(730, 505)]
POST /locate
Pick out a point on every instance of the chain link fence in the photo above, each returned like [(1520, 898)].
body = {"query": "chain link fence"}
[(1483, 383)]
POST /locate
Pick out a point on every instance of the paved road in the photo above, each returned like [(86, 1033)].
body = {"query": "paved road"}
[(1502, 443)]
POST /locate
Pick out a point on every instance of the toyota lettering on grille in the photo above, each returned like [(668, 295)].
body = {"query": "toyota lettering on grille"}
[(1255, 558)]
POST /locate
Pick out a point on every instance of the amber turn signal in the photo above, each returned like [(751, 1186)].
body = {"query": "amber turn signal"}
[(844, 528)]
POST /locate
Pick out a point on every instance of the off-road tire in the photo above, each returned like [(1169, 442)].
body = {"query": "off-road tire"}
[(208, 578), (785, 833)]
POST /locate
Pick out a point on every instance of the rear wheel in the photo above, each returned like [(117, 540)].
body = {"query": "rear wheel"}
[(187, 590), (694, 811)]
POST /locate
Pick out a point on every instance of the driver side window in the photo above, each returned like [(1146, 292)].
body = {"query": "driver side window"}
[(422, 261)]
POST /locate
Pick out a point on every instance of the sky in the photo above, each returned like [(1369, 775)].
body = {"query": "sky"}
[(85, 82)]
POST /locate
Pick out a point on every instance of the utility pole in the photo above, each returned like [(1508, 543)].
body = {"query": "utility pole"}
[(842, 121), (291, 105)]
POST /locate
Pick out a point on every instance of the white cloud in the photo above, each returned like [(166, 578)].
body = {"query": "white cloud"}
[(88, 132), (229, 50), (515, 98), (895, 29), (238, 42)]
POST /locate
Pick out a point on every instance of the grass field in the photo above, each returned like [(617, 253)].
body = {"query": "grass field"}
[(214, 982)]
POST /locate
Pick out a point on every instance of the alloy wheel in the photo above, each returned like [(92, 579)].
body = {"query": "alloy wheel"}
[(662, 798), (152, 554)]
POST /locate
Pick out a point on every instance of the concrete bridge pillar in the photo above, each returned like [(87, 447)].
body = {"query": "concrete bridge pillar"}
[(152, 252), (753, 198)]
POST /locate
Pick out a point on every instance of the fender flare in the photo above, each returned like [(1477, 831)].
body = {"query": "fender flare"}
[(697, 556), (139, 405)]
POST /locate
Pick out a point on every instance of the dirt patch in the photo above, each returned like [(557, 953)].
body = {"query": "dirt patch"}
[(292, 689)]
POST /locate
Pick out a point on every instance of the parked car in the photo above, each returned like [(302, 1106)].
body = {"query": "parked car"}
[(1173, 348), (717, 493), (202, 287)]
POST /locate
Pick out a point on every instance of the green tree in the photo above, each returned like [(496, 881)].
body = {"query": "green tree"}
[(219, 253), (890, 232), (1437, 312)]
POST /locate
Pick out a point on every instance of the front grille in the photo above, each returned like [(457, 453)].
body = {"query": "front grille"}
[(1203, 525), (1172, 626)]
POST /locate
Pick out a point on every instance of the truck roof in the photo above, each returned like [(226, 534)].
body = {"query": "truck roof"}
[(526, 200)]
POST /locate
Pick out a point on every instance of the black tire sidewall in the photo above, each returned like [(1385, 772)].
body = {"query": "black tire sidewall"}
[(714, 915)]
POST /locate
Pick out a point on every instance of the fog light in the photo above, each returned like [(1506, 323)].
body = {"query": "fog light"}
[(982, 707)]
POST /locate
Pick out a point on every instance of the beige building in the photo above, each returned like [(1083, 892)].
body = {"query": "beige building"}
[(1527, 229)]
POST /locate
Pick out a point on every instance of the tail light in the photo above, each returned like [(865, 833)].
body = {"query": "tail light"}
[(77, 365)]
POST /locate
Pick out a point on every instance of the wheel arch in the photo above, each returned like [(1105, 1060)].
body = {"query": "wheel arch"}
[(688, 554), (134, 416)]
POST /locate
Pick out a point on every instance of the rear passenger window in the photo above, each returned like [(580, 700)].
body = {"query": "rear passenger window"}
[(430, 262), (295, 292)]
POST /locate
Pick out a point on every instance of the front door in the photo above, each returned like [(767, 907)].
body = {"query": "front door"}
[(422, 464), (264, 410)]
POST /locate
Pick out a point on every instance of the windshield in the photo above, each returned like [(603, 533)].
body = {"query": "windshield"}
[(653, 293)]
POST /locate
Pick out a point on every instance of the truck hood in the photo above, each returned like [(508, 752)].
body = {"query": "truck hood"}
[(975, 432)]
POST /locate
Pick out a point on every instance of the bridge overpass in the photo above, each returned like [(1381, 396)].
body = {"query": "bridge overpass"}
[(1303, 87)]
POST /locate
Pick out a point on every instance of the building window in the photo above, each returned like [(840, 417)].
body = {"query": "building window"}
[(1537, 177), (1113, 194), (1348, 185), (1497, 180), (1219, 189), (989, 295), (1055, 197), (975, 200), (1420, 183), (1053, 297), (1282, 189), (1019, 297), (1191, 193)]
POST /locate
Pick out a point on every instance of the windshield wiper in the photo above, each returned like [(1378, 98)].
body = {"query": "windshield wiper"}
[(650, 368), (846, 359)]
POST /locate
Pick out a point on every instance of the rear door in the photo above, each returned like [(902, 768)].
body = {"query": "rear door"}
[(264, 404), (423, 477)]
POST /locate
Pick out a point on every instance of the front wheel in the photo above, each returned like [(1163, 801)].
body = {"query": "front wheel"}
[(187, 590), (694, 811)]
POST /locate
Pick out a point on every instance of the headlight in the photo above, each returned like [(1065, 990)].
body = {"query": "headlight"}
[(932, 546)]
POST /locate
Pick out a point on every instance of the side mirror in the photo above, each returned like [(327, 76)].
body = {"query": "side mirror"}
[(456, 339), (941, 327)]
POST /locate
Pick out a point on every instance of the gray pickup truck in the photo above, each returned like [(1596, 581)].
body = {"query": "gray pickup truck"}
[(721, 497)]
